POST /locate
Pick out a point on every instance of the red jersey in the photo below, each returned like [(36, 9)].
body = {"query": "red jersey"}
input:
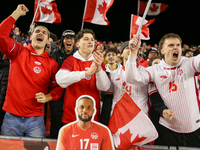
[(86, 86), (72, 137), (29, 74)]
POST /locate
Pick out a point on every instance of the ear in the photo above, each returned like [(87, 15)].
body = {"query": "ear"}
[(162, 51), (77, 45), (31, 38)]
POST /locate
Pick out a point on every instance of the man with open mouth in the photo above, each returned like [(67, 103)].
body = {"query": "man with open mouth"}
[(176, 79), (68, 48)]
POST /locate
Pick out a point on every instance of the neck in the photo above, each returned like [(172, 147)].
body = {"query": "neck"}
[(112, 66), (85, 55), (39, 51), (68, 51), (124, 62), (84, 125)]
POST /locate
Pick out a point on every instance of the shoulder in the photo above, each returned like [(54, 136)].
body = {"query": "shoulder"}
[(100, 127)]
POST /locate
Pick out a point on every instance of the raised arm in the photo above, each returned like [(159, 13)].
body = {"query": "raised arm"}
[(7, 45), (132, 74)]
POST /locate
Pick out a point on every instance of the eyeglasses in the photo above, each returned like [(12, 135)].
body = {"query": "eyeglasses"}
[(153, 52)]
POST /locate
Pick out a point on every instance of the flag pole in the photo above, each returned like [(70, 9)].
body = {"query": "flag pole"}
[(144, 16), (82, 25), (35, 14)]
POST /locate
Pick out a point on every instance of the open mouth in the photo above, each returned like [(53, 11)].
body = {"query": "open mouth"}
[(39, 39), (175, 55), (69, 44)]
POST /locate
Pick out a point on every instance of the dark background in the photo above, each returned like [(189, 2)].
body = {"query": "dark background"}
[(182, 17)]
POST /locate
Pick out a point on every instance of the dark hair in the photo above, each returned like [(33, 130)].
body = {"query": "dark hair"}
[(81, 33), (53, 36), (167, 36), (114, 50), (152, 59)]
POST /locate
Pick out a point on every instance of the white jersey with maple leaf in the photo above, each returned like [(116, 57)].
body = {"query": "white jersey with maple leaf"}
[(139, 94), (178, 87)]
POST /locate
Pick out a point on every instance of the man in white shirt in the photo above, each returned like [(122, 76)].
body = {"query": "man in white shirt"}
[(176, 80)]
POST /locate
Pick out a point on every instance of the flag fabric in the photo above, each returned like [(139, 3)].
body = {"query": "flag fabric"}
[(95, 11), (135, 23), (129, 125), (154, 9), (47, 12)]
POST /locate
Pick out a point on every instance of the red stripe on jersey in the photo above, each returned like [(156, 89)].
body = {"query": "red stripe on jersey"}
[(149, 75), (196, 87), (194, 66)]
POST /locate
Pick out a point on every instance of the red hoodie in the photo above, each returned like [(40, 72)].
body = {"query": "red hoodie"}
[(29, 74)]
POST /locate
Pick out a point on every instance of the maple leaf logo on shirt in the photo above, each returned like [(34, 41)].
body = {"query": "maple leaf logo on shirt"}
[(102, 7), (45, 10), (154, 8)]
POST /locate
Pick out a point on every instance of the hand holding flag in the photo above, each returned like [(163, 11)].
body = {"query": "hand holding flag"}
[(135, 23)]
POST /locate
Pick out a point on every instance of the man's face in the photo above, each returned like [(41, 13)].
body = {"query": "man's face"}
[(48, 45), (155, 61), (189, 54), (68, 43), (39, 38), (152, 54), (172, 51), (111, 57), (126, 53), (119, 58), (86, 44), (85, 109), (100, 48)]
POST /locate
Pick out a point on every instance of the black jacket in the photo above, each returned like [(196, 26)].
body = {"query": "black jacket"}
[(4, 70), (60, 55)]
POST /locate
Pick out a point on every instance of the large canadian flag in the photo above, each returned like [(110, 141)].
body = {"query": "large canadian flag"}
[(129, 125), (95, 11), (135, 23), (47, 12), (154, 9)]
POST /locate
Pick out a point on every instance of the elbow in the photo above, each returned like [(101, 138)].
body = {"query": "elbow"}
[(59, 81)]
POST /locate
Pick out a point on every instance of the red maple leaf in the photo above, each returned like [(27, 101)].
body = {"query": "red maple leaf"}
[(45, 10), (102, 8), (154, 8), (125, 140), (138, 139)]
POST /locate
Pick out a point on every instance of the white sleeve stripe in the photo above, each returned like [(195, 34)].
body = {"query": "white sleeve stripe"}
[(12, 48)]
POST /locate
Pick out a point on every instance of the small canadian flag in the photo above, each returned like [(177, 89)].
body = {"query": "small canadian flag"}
[(95, 11), (135, 23), (47, 11), (154, 9)]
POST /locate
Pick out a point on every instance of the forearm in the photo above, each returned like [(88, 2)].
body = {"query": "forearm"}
[(65, 78), (103, 82), (157, 103), (133, 75)]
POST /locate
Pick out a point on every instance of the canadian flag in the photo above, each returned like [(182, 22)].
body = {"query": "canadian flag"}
[(154, 9), (135, 23), (95, 11), (47, 12), (129, 125)]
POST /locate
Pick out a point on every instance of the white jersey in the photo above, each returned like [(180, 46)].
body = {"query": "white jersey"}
[(178, 88), (138, 93), (119, 66)]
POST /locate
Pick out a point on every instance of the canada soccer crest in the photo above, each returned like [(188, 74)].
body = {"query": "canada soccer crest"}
[(94, 135), (37, 69), (88, 77)]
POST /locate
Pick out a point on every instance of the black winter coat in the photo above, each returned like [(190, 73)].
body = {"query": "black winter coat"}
[(4, 71)]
